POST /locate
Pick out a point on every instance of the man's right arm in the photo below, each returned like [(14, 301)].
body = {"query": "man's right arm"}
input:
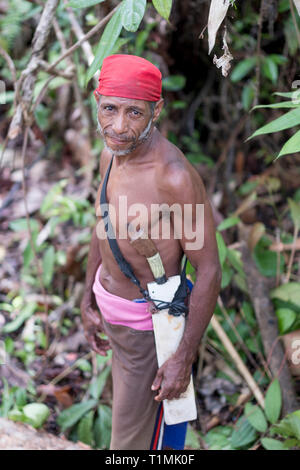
[(90, 314), (93, 262)]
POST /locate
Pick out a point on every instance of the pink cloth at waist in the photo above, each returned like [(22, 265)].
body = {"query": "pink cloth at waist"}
[(120, 311)]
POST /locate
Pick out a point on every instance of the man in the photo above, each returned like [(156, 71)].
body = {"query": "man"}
[(147, 170)]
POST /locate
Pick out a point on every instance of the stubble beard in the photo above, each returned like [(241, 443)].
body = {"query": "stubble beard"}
[(142, 138)]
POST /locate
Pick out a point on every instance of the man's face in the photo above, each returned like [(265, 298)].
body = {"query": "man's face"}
[(123, 123)]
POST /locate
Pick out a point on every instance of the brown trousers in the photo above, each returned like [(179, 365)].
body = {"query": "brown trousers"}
[(134, 366)]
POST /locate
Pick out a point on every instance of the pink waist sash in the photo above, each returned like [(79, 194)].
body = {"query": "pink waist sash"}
[(120, 311)]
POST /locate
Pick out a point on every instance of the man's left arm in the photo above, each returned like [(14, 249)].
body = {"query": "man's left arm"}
[(173, 376)]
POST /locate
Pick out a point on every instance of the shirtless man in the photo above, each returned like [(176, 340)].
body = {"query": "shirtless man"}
[(147, 169)]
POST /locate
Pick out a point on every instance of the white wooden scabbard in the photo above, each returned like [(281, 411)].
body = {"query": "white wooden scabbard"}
[(168, 331)]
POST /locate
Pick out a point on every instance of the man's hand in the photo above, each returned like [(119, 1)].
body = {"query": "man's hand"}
[(172, 378), (92, 326)]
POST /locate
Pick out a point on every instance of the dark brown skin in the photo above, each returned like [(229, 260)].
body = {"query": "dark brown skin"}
[(155, 172)]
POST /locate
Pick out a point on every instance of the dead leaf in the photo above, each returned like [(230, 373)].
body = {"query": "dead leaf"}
[(224, 60), (297, 5), (217, 13)]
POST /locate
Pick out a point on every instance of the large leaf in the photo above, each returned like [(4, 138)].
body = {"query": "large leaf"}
[(97, 385), (289, 292), (163, 7), (270, 69), (108, 39), (37, 413), (282, 104), (242, 69), (265, 259), (222, 249), (85, 428), (217, 13), (272, 444), (243, 433), (291, 146), (286, 318), (273, 401), (256, 417), (228, 222), (25, 313), (295, 211), (290, 119), (48, 265), (132, 14), (70, 416), (102, 427)]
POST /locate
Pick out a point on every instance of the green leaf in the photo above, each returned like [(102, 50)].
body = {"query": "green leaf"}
[(83, 3), (242, 69), (102, 427), (282, 104), (37, 413), (286, 318), (97, 385), (48, 265), (25, 313), (85, 428), (21, 224), (290, 119), (265, 259), (272, 444), (270, 69), (291, 146), (295, 211), (173, 82), (192, 439), (256, 417), (227, 274), (273, 401), (247, 96), (243, 433), (108, 39), (132, 14), (289, 292), (70, 416), (289, 426), (163, 7), (228, 222), (235, 259), (221, 248)]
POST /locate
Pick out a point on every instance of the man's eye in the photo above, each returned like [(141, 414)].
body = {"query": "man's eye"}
[(109, 108), (135, 112)]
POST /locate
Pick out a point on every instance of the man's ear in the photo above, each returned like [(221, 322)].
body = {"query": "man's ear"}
[(97, 96), (157, 109)]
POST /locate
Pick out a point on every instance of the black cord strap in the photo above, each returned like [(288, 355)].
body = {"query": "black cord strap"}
[(177, 306)]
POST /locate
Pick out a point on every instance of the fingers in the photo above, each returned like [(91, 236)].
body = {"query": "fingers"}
[(158, 380), (169, 391)]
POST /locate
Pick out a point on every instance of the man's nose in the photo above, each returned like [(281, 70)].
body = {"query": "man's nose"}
[(119, 125)]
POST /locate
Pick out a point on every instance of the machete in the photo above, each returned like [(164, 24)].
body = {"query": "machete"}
[(168, 329)]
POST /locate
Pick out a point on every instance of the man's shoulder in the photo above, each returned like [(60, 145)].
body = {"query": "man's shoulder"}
[(176, 173)]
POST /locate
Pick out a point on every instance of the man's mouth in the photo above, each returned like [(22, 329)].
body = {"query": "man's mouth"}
[(118, 141)]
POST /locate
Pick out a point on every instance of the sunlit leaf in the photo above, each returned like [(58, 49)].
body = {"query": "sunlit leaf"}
[(132, 14), (163, 7)]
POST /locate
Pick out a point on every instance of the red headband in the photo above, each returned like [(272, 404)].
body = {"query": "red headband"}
[(129, 76)]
